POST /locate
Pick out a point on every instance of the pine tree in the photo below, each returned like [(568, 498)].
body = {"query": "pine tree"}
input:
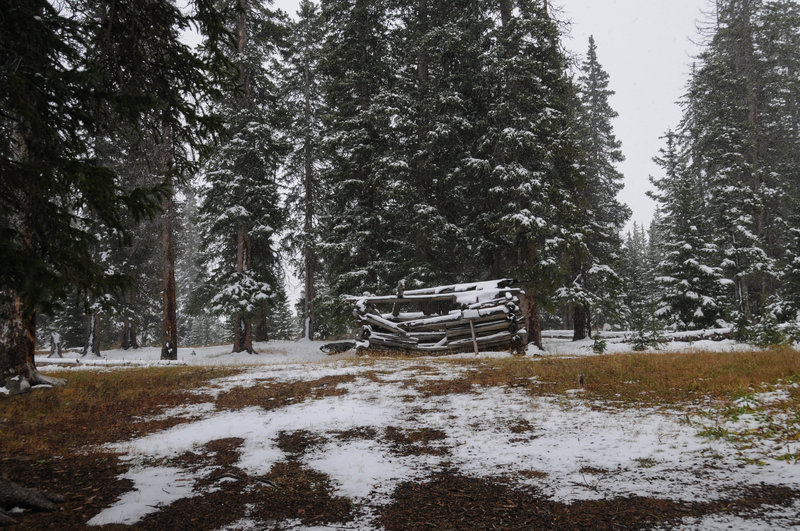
[(363, 242), (690, 283), (524, 164), (637, 276), (187, 267), (725, 129), (53, 106), (777, 44), (301, 88), (740, 131), (139, 41), (241, 211), (594, 286), (439, 54)]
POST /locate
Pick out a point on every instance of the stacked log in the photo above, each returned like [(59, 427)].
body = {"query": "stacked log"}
[(476, 316)]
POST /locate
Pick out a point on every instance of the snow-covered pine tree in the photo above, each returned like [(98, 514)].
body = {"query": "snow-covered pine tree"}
[(637, 277), (363, 240), (279, 320), (777, 45), (439, 48), (300, 85), (523, 164), (139, 41), (55, 103), (187, 267), (725, 128), (241, 210), (690, 284), (594, 287)]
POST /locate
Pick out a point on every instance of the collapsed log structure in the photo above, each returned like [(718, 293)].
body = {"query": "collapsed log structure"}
[(444, 319)]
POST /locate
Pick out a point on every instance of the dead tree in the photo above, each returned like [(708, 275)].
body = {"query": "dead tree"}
[(14, 495)]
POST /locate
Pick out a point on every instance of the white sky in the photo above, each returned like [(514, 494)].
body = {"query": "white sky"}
[(646, 47)]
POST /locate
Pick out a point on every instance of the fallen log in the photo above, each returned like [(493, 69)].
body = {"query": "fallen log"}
[(481, 329), (410, 299), (433, 336), (382, 323), (468, 286), (14, 495), (458, 317)]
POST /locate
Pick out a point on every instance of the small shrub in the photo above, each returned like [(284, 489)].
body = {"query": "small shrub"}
[(767, 333), (647, 338), (599, 346)]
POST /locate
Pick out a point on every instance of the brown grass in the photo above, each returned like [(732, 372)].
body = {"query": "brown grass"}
[(632, 379), (271, 395), (95, 408)]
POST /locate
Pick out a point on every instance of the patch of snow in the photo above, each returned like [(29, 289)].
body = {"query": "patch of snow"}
[(770, 517), (362, 468), (154, 488)]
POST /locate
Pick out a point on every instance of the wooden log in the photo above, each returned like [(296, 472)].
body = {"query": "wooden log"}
[(440, 321), (451, 321), (434, 336), (482, 329), (474, 338), (410, 299), (488, 312), (378, 341), (393, 338), (459, 288), (403, 316), (493, 302), (484, 341), (380, 322)]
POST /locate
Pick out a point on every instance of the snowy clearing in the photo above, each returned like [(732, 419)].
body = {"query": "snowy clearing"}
[(364, 436)]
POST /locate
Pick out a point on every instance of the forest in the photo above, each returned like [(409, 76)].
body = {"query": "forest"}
[(164, 166)]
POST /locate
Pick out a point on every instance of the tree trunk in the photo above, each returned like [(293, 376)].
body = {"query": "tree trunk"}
[(128, 336), (579, 322), (18, 347), (169, 330), (92, 346), (17, 344), (532, 321), (242, 330), (309, 257), (17, 314)]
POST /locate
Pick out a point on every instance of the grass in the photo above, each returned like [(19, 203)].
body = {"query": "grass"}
[(95, 408), (632, 379), (99, 407)]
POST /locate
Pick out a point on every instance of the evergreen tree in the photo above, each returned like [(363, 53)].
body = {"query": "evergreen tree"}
[(363, 244), (439, 52), (241, 211), (524, 164), (52, 186), (636, 274), (725, 128), (594, 286), (690, 283), (740, 143), (187, 268), (301, 89)]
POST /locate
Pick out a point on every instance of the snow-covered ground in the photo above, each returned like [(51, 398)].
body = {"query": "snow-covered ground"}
[(644, 452), (557, 343)]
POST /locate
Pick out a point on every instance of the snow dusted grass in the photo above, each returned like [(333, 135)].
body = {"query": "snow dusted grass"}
[(97, 407), (347, 435)]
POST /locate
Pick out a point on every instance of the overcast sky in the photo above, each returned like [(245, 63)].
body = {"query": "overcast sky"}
[(646, 47)]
